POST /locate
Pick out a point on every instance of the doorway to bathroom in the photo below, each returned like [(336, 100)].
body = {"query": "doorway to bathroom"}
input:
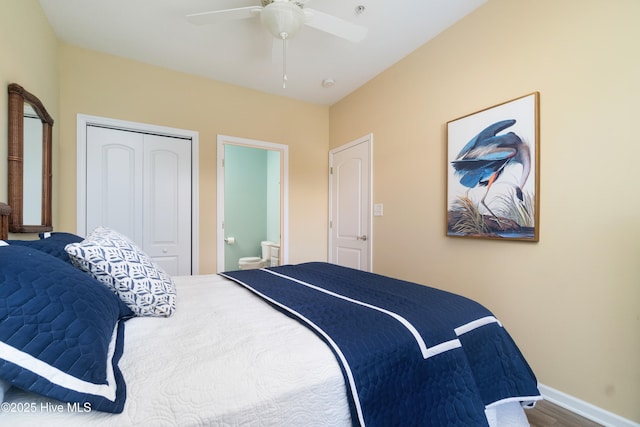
[(252, 202)]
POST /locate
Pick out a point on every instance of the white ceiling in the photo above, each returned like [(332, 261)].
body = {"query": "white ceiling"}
[(242, 52)]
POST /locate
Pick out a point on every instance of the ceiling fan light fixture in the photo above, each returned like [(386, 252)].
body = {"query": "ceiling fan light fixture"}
[(283, 19)]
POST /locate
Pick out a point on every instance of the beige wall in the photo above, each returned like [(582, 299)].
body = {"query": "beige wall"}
[(29, 58), (102, 85), (571, 301)]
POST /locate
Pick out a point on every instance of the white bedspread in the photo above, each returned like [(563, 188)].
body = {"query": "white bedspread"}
[(225, 358)]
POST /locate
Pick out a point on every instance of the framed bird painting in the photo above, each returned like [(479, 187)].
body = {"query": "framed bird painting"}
[(493, 165)]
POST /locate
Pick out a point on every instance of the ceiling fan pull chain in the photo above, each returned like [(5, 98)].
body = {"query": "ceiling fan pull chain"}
[(284, 60)]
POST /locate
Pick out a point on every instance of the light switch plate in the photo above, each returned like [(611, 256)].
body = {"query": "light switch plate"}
[(378, 209)]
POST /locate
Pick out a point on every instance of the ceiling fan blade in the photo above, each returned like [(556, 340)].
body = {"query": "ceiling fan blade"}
[(334, 25), (216, 16)]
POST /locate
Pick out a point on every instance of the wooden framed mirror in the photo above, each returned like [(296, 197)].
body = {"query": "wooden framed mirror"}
[(29, 166)]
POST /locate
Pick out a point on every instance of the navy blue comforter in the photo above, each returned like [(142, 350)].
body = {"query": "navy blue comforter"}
[(410, 354)]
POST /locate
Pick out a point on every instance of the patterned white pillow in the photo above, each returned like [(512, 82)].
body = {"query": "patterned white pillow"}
[(117, 262)]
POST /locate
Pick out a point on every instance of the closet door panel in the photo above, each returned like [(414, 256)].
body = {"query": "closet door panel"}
[(167, 200), (114, 181)]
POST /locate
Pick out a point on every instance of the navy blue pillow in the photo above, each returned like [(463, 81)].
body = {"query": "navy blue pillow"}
[(51, 243), (61, 331)]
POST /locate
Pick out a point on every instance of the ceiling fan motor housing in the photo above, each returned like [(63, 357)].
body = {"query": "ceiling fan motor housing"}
[(265, 3), (282, 18)]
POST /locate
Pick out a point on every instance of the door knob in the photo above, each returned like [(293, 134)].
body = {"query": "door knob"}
[(363, 237)]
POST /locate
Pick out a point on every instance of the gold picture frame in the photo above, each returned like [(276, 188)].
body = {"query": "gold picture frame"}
[(493, 172)]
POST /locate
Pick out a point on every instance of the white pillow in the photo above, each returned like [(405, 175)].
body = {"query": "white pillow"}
[(117, 262)]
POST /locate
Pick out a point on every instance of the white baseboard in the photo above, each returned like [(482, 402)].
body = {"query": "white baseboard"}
[(584, 409)]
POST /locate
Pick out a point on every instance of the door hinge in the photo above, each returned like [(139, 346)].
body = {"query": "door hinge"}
[(330, 224), (330, 170)]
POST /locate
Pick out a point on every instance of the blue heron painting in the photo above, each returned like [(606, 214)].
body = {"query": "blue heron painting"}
[(485, 157), (495, 151)]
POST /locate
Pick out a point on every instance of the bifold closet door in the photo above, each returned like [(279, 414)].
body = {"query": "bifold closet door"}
[(140, 185)]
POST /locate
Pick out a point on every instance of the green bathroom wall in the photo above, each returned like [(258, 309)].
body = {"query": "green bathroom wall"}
[(252, 201)]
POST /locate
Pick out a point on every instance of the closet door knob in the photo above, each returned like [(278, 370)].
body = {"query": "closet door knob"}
[(363, 237)]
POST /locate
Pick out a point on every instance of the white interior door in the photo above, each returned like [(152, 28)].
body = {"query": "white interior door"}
[(140, 185), (350, 241)]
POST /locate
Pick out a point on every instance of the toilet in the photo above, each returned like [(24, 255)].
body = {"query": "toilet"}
[(253, 262)]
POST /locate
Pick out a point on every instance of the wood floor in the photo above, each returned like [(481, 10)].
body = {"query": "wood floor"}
[(546, 414)]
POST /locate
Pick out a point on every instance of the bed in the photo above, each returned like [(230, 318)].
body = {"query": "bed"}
[(223, 350)]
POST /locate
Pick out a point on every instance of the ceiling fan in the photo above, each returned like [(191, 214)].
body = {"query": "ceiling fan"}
[(284, 18)]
